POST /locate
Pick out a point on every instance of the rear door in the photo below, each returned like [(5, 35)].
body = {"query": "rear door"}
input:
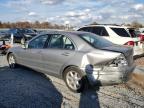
[(123, 36), (59, 51)]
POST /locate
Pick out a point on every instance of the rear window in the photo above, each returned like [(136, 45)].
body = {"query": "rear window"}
[(132, 33), (95, 41), (121, 32)]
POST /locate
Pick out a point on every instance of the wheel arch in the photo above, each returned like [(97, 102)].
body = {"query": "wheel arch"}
[(63, 70), (8, 54)]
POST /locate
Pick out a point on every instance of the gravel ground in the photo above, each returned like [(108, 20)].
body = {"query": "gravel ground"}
[(140, 61), (25, 88)]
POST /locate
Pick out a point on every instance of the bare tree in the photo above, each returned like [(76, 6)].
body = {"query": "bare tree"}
[(136, 24)]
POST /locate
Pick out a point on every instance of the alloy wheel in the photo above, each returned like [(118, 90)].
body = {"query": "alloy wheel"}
[(73, 80)]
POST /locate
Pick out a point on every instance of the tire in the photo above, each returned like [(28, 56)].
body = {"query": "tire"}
[(22, 41), (12, 61), (74, 79)]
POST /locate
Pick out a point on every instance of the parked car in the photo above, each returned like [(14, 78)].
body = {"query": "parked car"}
[(20, 35), (141, 30), (118, 35), (134, 33), (140, 34), (75, 57), (2, 34)]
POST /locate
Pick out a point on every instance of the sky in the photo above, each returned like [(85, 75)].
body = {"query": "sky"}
[(73, 12)]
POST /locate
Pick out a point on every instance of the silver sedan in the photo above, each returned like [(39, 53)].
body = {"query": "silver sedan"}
[(76, 57)]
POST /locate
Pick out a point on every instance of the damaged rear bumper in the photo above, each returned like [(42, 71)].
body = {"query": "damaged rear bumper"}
[(109, 75)]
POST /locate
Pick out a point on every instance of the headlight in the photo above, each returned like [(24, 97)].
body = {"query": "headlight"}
[(119, 61)]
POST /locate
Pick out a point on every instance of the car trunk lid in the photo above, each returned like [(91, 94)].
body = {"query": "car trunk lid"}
[(127, 51)]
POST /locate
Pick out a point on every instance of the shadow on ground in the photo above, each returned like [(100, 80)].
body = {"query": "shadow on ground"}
[(89, 98), (22, 88), (25, 88)]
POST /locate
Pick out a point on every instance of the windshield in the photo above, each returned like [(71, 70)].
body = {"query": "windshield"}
[(27, 31), (121, 32), (95, 41)]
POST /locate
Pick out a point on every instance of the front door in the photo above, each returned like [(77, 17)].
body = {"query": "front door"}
[(59, 51), (32, 56)]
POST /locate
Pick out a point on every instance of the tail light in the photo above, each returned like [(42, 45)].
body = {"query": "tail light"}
[(130, 43), (119, 61), (141, 37)]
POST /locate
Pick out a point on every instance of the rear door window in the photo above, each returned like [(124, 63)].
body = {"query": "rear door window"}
[(121, 32), (104, 32), (97, 30), (59, 41), (101, 31)]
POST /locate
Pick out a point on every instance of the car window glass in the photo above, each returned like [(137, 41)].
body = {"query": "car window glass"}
[(12, 31), (56, 41), (96, 41), (61, 42), (121, 32), (68, 44), (38, 42), (132, 33), (104, 32), (88, 38), (27, 31), (97, 30), (87, 29)]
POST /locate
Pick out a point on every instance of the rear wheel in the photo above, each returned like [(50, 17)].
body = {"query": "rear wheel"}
[(74, 79), (11, 61)]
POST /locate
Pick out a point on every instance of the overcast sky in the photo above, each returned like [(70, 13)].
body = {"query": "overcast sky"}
[(75, 12)]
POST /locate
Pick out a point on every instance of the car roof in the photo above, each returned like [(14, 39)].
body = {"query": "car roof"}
[(107, 25), (63, 32)]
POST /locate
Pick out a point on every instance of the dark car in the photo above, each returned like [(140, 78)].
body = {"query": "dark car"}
[(20, 35)]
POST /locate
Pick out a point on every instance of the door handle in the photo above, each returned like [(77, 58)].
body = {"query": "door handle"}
[(65, 54)]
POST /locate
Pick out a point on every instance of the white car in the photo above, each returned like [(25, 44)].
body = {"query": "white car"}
[(141, 30), (116, 34)]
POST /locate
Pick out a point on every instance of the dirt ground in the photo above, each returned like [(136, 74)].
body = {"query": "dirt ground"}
[(25, 88)]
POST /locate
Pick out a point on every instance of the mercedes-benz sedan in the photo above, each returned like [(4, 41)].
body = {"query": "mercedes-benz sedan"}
[(76, 57)]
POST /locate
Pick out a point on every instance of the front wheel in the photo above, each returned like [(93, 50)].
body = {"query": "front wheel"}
[(11, 61), (74, 79)]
